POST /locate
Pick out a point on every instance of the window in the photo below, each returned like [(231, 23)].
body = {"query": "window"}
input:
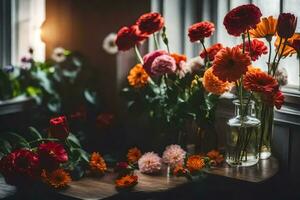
[(179, 14)]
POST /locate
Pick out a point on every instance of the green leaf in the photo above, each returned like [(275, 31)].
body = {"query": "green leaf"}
[(73, 140), (90, 96), (5, 147), (83, 154), (17, 140), (34, 133)]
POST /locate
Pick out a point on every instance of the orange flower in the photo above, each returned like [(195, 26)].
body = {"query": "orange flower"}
[(126, 181), (252, 69), (230, 64), (178, 58), (97, 163), (195, 163), (57, 178), (266, 28), (137, 77), (133, 155), (288, 50), (215, 156), (179, 170), (214, 85), (259, 81)]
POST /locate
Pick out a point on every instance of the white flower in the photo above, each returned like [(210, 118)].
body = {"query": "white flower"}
[(150, 163), (193, 64), (59, 54), (281, 76), (109, 44), (174, 155)]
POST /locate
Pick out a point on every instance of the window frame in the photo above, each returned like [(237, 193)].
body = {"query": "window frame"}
[(5, 32)]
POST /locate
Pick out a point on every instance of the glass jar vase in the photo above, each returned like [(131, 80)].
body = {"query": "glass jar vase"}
[(243, 135)]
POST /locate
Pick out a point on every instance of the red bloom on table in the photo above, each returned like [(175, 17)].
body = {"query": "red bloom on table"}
[(20, 167), (52, 154), (286, 25), (150, 23), (212, 51), (275, 99), (230, 64), (59, 128), (258, 48), (128, 37), (241, 19), (259, 81), (200, 30), (104, 120)]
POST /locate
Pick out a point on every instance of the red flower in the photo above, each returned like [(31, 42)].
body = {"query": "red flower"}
[(259, 81), (201, 30), (51, 155), (275, 99), (20, 167), (296, 45), (286, 25), (59, 128), (212, 51), (104, 120), (128, 37), (150, 23), (257, 48), (241, 19)]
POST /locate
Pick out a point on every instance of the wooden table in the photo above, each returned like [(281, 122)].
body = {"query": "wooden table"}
[(90, 188)]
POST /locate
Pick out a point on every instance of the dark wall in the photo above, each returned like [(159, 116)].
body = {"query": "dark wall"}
[(81, 25)]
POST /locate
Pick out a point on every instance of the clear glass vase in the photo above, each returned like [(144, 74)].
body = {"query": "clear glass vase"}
[(243, 135)]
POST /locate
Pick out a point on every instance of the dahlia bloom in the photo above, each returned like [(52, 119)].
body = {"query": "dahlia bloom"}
[(200, 30), (258, 48), (97, 163), (150, 57), (150, 23), (150, 163), (213, 84), (133, 155), (174, 155), (58, 178), (128, 37), (266, 28), (286, 25), (138, 77), (216, 157), (230, 64), (211, 51), (179, 170), (126, 181), (241, 19), (195, 163)]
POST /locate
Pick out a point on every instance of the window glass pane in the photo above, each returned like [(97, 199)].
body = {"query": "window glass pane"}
[(268, 7)]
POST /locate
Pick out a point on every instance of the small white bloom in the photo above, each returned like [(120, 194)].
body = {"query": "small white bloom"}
[(194, 64), (109, 44), (58, 54), (281, 76)]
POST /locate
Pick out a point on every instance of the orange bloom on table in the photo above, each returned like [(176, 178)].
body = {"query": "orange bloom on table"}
[(288, 50), (259, 81), (133, 155), (179, 170), (213, 84), (230, 64), (57, 178), (195, 163), (126, 181), (266, 28), (137, 77), (216, 157), (97, 163)]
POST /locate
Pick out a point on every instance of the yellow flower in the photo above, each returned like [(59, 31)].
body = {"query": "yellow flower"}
[(97, 163), (213, 84), (137, 77), (288, 50), (265, 28), (195, 163), (133, 155), (57, 178)]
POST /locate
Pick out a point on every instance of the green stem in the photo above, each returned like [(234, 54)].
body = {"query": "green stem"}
[(249, 41), (138, 54), (206, 61), (43, 139), (270, 55), (280, 56), (155, 41), (274, 60), (243, 39)]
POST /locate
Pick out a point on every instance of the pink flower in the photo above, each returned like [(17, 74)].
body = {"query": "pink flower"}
[(163, 64), (174, 155), (150, 163), (150, 57)]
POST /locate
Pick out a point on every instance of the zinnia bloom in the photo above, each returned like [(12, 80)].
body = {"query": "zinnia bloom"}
[(286, 25), (133, 155), (213, 84), (128, 37), (266, 28), (150, 163), (59, 128), (57, 178), (150, 23), (216, 156), (258, 48), (179, 170), (137, 77), (20, 167), (97, 163), (174, 155), (126, 181), (241, 19), (230, 64), (261, 82), (195, 163), (211, 51), (289, 49), (201, 30), (52, 154)]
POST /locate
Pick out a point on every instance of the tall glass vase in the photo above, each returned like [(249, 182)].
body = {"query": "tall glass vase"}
[(242, 137)]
